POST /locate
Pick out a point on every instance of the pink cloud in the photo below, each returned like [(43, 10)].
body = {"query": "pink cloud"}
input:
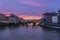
[(29, 17), (33, 3)]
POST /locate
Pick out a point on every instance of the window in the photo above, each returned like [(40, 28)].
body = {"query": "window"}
[(54, 19)]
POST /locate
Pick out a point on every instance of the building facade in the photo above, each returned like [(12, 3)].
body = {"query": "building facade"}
[(3, 17), (51, 19), (13, 18)]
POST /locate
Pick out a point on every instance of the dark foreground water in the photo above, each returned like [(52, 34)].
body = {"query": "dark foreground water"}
[(28, 33)]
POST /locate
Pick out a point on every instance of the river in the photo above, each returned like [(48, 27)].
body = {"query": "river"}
[(28, 33)]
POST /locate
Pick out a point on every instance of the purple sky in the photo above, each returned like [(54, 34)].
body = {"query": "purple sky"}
[(29, 7)]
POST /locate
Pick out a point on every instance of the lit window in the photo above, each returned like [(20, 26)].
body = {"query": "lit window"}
[(54, 19)]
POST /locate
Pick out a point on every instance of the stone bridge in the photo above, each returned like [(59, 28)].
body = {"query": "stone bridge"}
[(33, 22)]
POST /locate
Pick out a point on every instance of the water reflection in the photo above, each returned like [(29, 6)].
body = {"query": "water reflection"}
[(28, 33)]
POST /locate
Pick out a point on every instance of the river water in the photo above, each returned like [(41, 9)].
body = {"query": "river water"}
[(28, 33)]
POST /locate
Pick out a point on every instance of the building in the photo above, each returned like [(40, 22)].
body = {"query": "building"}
[(13, 18), (51, 19), (3, 17)]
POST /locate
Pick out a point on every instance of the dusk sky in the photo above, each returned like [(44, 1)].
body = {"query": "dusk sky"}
[(29, 7)]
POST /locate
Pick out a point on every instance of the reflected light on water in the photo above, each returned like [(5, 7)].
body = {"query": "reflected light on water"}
[(30, 24), (28, 33)]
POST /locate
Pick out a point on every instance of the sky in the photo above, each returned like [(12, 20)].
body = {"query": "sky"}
[(28, 8)]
